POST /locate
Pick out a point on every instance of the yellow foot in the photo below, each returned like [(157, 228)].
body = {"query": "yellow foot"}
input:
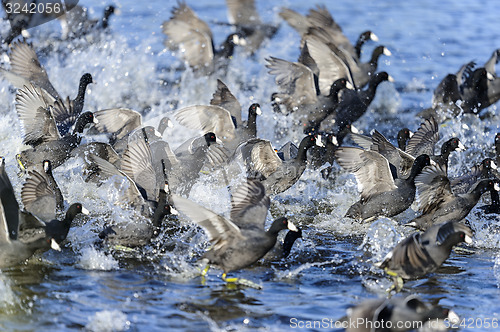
[(241, 281), (398, 282), (20, 163), (123, 248), (205, 270)]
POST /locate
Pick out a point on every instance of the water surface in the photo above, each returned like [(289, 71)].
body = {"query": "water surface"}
[(84, 287)]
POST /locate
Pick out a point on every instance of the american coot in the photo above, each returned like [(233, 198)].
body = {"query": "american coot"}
[(41, 195), (353, 105), (299, 92), (36, 116), (446, 100), (138, 164), (148, 163), (422, 253), (136, 234), (220, 121), (241, 241), (186, 31), (132, 196), (26, 70), (76, 22), (493, 84), (337, 62), (57, 151), (400, 162), (403, 137), (469, 90), (474, 91), (484, 170), (408, 311), (282, 249), (318, 156), (224, 98), (425, 139), (277, 175), (381, 195), (56, 229), (330, 67), (361, 71), (121, 123), (191, 157), (438, 204), (153, 206), (243, 14), (41, 121), (494, 206), (12, 250), (319, 17)]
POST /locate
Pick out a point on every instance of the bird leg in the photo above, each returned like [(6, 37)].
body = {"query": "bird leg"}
[(21, 166), (205, 270), (241, 281), (204, 273), (398, 281)]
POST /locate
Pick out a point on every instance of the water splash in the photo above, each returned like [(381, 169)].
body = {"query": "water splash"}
[(92, 259), (108, 321)]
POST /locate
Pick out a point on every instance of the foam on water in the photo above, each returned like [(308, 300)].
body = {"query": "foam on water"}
[(8, 298), (92, 259), (108, 321)]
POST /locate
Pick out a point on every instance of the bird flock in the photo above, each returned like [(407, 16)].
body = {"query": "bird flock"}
[(325, 91)]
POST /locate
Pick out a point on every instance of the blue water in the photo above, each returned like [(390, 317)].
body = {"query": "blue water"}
[(330, 269)]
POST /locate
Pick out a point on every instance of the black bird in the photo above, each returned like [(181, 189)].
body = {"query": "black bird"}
[(381, 194), (121, 124), (403, 137), (481, 171), (57, 150), (136, 234), (436, 200), (353, 105), (187, 31), (277, 175), (469, 91), (240, 241), (56, 229), (244, 16), (12, 250), (282, 250), (41, 195), (300, 92), (400, 312), (26, 70), (494, 206), (319, 17), (224, 98), (224, 123), (422, 253), (76, 22), (425, 139)]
